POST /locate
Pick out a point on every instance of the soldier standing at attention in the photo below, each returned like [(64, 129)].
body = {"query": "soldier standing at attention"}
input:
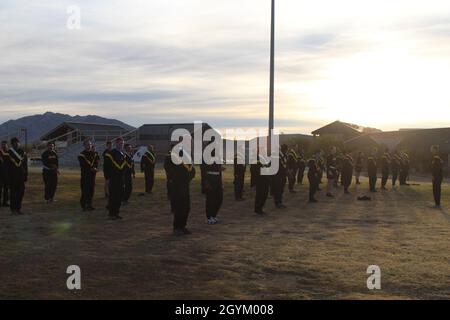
[(168, 164), (115, 163), (107, 150), (148, 162), (301, 164), (395, 167), (292, 167), (404, 169), (438, 175), (313, 177), (347, 172), (239, 176), (129, 174), (262, 184), (213, 190), (181, 175), (331, 171), (17, 168), (279, 179), (385, 164), (320, 166), (359, 166), (89, 168), (50, 172), (372, 171), (4, 187)]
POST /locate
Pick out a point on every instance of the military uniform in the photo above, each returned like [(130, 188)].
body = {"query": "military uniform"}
[(4, 185), (395, 167), (358, 167), (279, 180), (239, 178), (292, 167), (168, 164), (88, 164), (115, 163), (180, 176), (347, 173), (17, 168), (404, 170), (148, 161), (262, 184), (129, 172), (372, 171), (105, 174), (50, 165), (213, 190), (313, 178), (301, 165), (385, 164), (438, 177)]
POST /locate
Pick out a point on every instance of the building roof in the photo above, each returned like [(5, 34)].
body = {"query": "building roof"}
[(86, 127), (344, 128)]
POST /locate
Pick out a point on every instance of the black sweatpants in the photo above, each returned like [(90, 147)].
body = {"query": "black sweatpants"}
[(116, 194), (128, 187), (149, 179), (394, 178), (181, 204), (239, 186), (278, 185), (313, 187), (214, 199), (4, 192), (17, 192), (87, 184), (50, 183), (372, 182), (262, 192), (292, 179), (437, 190)]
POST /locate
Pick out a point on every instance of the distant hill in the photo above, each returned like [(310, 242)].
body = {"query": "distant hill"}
[(39, 124)]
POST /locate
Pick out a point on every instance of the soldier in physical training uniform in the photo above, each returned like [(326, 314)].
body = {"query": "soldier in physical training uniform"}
[(4, 186), (347, 172), (181, 174), (301, 165), (148, 162), (17, 168), (129, 174), (395, 168), (239, 176), (372, 170), (404, 169), (213, 191), (279, 179), (292, 167), (261, 183), (115, 163), (437, 165), (50, 171), (331, 171), (89, 168), (385, 164), (359, 166), (107, 150), (313, 177)]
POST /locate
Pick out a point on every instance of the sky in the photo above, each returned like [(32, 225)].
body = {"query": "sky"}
[(383, 64)]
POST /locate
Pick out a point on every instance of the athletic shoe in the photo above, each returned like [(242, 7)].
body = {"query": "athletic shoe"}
[(211, 221), (186, 231)]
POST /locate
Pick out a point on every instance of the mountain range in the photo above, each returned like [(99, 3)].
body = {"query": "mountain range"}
[(39, 124)]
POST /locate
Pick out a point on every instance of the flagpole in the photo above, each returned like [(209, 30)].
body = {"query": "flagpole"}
[(272, 69)]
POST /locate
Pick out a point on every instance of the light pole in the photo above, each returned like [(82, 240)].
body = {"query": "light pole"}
[(272, 69)]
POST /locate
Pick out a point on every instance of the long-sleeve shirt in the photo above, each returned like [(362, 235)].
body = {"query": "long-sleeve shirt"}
[(50, 160)]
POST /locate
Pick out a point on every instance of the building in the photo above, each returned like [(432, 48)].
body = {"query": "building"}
[(342, 130), (68, 133)]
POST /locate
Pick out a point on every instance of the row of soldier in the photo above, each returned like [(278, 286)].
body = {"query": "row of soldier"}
[(119, 172)]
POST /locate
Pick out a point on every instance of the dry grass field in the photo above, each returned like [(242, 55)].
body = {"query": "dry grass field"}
[(308, 251)]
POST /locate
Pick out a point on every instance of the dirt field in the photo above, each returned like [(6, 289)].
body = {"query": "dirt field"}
[(308, 251)]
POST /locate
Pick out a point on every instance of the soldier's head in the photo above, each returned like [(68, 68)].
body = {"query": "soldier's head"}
[(150, 148), (51, 146), (87, 145), (15, 143), (435, 149), (108, 145), (128, 148), (4, 145), (119, 143)]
